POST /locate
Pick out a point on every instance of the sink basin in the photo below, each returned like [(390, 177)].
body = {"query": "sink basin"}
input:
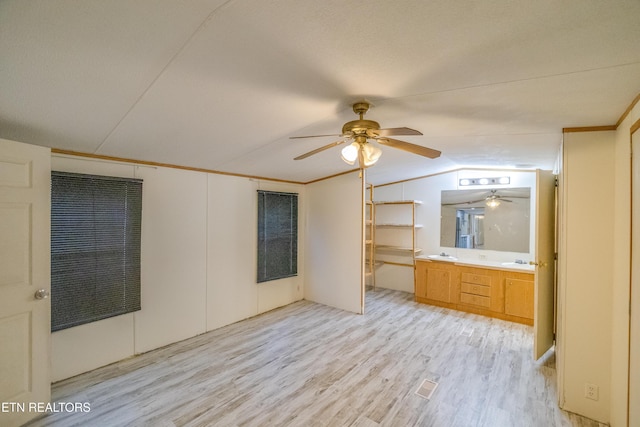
[(515, 264), (443, 257)]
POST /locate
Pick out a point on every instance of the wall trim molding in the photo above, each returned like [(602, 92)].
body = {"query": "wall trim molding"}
[(628, 110), (331, 176), (165, 165), (590, 128), (71, 153), (607, 127), (635, 127)]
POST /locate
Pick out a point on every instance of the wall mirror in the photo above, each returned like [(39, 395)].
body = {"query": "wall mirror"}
[(490, 219)]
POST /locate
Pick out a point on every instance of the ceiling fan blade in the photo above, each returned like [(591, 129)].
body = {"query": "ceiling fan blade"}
[(314, 136), (396, 131), (317, 150), (412, 148), (470, 202)]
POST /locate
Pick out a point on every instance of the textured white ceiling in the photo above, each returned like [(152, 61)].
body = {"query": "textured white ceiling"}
[(222, 85)]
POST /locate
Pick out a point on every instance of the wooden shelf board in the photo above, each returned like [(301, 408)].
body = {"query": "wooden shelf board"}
[(391, 248), (401, 264), (398, 202)]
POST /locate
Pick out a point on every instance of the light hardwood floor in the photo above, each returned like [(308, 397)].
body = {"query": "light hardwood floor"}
[(311, 365)]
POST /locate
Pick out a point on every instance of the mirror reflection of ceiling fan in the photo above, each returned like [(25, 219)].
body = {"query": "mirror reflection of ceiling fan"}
[(363, 135), (492, 200)]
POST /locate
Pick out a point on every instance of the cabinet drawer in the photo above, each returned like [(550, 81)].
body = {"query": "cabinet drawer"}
[(475, 300), (470, 288), (476, 279)]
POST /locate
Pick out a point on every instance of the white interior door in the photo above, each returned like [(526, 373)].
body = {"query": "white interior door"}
[(544, 298), (25, 218), (634, 332)]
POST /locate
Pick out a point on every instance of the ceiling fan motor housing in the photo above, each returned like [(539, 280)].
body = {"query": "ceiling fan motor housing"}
[(357, 127)]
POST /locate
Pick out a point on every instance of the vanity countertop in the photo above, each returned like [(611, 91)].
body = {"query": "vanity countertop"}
[(496, 265)]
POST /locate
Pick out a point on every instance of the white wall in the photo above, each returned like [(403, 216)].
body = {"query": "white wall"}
[(585, 274), (232, 293), (173, 257), (428, 190), (333, 267), (198, 264)]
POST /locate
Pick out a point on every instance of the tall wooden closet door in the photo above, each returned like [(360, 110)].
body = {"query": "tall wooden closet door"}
[(544, 294), (634, 352)]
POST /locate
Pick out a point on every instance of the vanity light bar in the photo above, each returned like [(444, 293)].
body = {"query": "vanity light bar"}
[(503, 180)]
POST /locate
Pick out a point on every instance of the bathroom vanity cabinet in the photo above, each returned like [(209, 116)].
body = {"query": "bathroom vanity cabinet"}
[(500, 293)]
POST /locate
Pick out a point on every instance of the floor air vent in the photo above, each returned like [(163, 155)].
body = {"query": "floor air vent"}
[(426, 389), (466, 332)]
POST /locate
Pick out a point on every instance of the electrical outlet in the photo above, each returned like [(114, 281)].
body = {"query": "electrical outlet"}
[(591, 391)]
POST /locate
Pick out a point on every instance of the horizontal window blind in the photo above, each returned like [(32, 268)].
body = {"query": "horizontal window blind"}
[(277, 235), (95, 247)]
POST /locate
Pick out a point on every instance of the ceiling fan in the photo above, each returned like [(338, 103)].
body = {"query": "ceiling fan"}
[(492, 200), (362, 133)]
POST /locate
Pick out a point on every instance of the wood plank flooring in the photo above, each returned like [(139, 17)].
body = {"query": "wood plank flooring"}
[(311, 365)]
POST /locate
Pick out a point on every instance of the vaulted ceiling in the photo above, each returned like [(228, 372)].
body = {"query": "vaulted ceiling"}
[(222, 85)]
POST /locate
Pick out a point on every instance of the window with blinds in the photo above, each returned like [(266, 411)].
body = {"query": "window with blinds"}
[(95, 248), (277, 235)]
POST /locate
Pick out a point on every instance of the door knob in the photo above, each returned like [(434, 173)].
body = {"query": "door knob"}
[(41, 294), (539, 263)]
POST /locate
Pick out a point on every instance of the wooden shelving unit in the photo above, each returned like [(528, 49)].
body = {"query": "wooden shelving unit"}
[(370, 277), (400, 245)]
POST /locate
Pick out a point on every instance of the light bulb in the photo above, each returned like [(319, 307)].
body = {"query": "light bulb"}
[(493, 203), (370, 154), (350, 153)]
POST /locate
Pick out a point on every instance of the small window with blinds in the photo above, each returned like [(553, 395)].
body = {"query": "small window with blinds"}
[(277, 235), (95, 248)]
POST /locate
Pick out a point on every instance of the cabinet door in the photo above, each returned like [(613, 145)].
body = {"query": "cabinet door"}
[(518, 298), (439, 284), (421, 279)]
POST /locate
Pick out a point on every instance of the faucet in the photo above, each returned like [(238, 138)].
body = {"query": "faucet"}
[(443, 254), (520, 261)]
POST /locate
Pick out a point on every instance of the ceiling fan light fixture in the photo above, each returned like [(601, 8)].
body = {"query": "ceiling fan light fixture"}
[(493, 203), (350, 153), (370, 155), (363, 132)]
